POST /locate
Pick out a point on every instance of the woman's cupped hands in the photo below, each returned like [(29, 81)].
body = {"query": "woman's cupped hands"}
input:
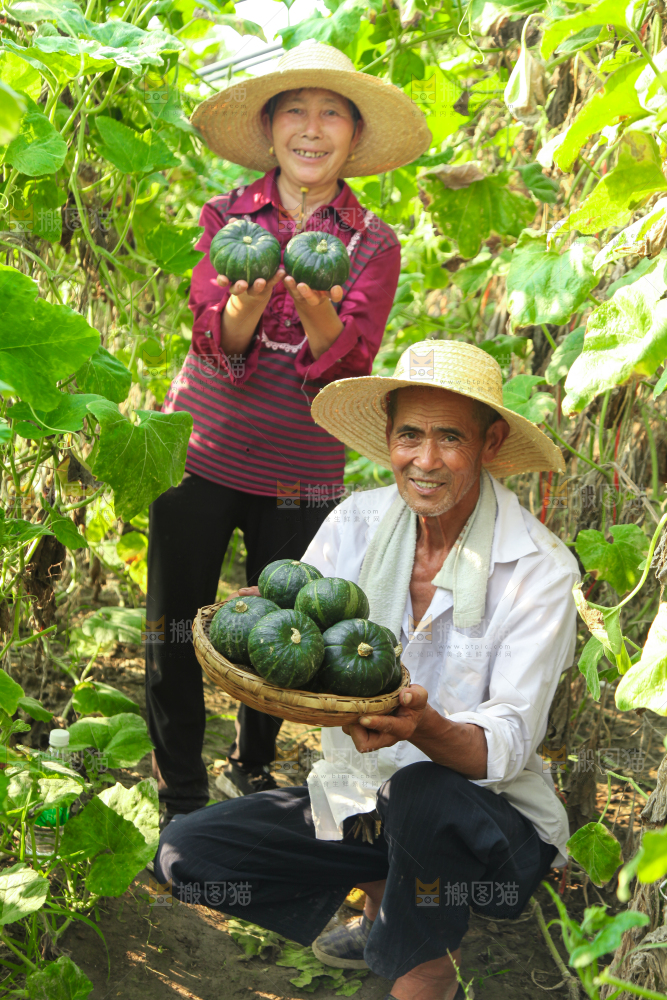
[(259, 294)]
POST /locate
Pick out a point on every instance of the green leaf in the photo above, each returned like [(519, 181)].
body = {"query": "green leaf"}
[(39, 202), (55, 792), (38, 148), (588, 665), (336, 30), (39, 342), (625, 335), (519, 395), (12, 110), (114, 625), (241, 25), (66, 417), (22, 891), (116, 847), (605, 12), (652, 863), (10, 693), (617, 561), (173, 247), (139, 460), (20, 75), (597, 851), (650, 91), (503, 347), (19, 530), (61, 980), (66, 13), (660, 384), (645, 684), (138, 805), (565, 355), (104, 375), (636, 176), (642, 238), (34, 709), (94, 696), (544, 189), (122, 738), (608, 939), (131, 545), (615, 102), (132, 44), (133, 152), (66, 531), (544, 286), (470, 214)]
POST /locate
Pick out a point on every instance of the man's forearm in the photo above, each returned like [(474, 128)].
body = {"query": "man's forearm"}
[(458, 745)]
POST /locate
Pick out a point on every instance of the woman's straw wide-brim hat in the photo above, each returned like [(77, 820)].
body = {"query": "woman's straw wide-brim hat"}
[(394, 132), (354, 409)]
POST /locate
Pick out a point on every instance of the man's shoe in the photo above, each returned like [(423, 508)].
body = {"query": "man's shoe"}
[(343, 947), (243, 779)]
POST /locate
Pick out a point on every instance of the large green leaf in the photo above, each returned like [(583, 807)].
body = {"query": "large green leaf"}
[(66, 13), (22, 891), (67, 417), (104, 375), (39, 342), (544, 286), (637, 175), (35, 709), (173, 247), (139, 460), (133, 152), (145, 47), (94, 696), (604, 12), (336, 30), (39, 202), (588, 665), (470, 214), (625, 335), (597, 850), (12, 110), (38, 148), (10, 693), (565, 355), (61, 980), (114, 625), (608, 939), (520, 395), (123, 739), (116, 847), (615, 102), (642, 238), (139, 805), (645, 683), (617, 561), (20, 75), (57, 791)]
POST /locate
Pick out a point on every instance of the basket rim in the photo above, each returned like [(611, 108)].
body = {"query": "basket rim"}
[(338, 704)]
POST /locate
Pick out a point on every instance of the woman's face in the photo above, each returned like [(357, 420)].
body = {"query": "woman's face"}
[(312, 134)]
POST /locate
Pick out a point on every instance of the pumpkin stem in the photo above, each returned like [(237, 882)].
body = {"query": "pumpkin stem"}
[(322, 246), (240, 606), (247, 239), (398, 649), (296, 635), (363, 649)]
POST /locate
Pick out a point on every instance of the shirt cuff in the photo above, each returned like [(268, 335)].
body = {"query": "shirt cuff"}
[(306, 365), (499, 746)]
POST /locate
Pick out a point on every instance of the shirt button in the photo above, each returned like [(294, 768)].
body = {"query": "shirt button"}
[(207, 333), (288, 322)]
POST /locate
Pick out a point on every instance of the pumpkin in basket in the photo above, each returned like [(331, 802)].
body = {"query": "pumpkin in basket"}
[(232, 624), (397, 673), (282, 580), (286, 648), (359, 659), (331, 600)]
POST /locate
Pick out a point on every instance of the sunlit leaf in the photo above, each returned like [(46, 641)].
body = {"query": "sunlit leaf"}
[(608, 939), (645, 237), (38, 148), (617, 561), (94, 696), (588, 665), (173, 247), (565, 355), (597, 851), (123, 738), (10, 693), (133, 152), (604, 12), (61, 980), (22, 891), (12, 110), (520, 395), (139, 805), (35, 709), (66, 13), (544, 286), (645, 684)]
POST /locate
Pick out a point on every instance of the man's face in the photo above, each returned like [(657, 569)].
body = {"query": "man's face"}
[(437, 448)]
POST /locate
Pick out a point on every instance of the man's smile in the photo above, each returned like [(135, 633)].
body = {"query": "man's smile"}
[(426, 487)]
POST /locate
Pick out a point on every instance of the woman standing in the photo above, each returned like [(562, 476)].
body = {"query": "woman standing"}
[(259, 356)]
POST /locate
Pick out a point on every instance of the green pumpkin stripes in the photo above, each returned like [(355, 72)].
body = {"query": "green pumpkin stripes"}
[(244, 251), (359, 659), (232, 623), (319, 259), (331, 600), (282, 580), (286, 648)]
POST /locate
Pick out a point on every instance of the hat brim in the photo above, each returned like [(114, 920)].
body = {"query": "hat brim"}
[(352, 410), (395, 131)]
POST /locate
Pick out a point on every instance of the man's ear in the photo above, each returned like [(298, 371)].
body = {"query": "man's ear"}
[(496, 436)]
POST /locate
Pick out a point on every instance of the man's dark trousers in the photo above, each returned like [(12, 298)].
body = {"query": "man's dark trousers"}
[(190, 528), (446, 844)]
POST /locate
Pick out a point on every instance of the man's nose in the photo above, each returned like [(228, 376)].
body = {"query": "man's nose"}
[(428, 457)]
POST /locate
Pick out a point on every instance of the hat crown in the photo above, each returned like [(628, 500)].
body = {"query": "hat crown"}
[(315, 55), (453, 365)]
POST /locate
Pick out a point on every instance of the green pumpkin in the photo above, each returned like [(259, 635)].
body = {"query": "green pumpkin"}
[(397, 673), (331, 600), (286, 648), (232, 624), (319, 259), (244, 251), (282, 580), (359, 659)]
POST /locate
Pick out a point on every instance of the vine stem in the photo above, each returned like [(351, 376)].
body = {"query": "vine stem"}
[(573, 986), (649, 558), (605, 979), (588, 461)]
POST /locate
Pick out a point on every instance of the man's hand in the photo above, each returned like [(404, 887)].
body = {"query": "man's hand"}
[(243, 592), (373, 732)]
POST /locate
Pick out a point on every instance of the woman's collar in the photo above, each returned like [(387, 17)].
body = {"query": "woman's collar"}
[(264, 191)]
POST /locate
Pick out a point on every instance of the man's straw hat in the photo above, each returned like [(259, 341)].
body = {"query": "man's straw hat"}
[(394, 132), (353, 409)]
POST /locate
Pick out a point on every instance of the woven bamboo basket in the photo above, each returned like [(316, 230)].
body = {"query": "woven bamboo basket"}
[(247, 686)]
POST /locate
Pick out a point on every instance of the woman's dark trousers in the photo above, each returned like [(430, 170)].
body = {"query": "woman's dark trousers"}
[(190, 528)]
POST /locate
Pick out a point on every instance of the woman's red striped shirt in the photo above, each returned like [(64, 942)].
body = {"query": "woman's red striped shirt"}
[(252, 425)]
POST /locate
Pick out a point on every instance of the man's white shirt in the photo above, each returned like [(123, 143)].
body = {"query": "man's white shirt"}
[(501, 675)]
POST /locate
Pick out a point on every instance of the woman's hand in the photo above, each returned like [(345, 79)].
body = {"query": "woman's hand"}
[(373, 732), (317, 314), (243, 310)]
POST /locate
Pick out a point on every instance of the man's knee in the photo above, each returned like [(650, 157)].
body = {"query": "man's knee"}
[(412, 790), (177, 845)]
